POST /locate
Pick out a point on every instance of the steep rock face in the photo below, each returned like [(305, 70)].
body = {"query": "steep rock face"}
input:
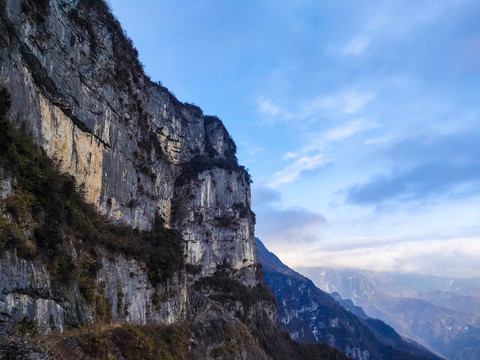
[(78, 87), (216, 223), (26, 291), (132, 297)]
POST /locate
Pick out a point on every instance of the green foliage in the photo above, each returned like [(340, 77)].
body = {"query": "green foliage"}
[(87, 24), (193, 269), (97, 346), (202, 163), (87, 270), (169, 342), (141, 345), (61, 266), (5, 101), (99, 5), (36, 10), (242, 209), (26, 327), (101, 306), (235, 337), (165, 254), (226, 221), (129, 342)]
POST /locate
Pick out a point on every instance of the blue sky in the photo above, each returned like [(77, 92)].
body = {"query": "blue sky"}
[(358, 120)]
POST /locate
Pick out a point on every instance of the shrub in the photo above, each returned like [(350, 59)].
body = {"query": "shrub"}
[(26, 327), (35, 10), (193, 269)]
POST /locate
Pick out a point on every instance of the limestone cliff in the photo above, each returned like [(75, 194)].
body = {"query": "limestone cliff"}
[(168, 237), (134, 149)]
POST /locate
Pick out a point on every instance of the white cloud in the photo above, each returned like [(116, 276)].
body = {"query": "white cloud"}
[(264, 196), (268, 108), (347, 130), (331, 105), (290, 155), (318, 141), (355, 101), (289, 226), (315, 142), (357, 46), (293, 171), (458, 257), (345, 102), (378, 140)]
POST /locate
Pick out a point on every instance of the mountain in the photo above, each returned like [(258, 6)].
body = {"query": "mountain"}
[(125, 222), (442, 314), (312, 315)]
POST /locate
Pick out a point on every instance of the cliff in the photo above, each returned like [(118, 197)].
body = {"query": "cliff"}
[(134, 149), (119, 204)]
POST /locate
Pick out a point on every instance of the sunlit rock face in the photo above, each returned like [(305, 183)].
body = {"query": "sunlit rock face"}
[(217, 235), (78, 88), (27, 291)]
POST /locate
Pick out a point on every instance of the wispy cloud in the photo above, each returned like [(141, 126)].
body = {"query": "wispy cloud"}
[(421, 182), (263, 196), (295, 169), (378, 140), (424, 167), (390, 20), (289, 226), (340, 103), (356, 46), (268, 108), (311, 156), (355, 101), (458, 256), (319, 140), (347, 130), (345, 102)]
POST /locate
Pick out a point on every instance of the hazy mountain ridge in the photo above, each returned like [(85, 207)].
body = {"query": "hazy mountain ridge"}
[(440, 313), (310, 315)]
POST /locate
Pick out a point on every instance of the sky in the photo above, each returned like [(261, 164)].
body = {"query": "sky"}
[(359, 121)]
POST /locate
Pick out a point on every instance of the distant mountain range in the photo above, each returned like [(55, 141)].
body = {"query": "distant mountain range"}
[(441, 314), (311, 315)]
